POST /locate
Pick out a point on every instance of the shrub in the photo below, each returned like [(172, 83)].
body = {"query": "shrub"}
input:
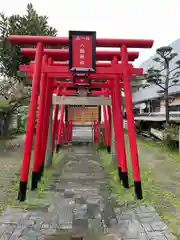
[(171, 135), (102, 132), (101, 144)]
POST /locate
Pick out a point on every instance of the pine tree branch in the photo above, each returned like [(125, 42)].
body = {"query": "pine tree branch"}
[(160, 86), (172, 70)]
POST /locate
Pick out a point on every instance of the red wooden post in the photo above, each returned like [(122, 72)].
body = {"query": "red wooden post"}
[(95, 137), (39, 129), (67, 131), (63, 131), (56, 132), (68, 125), (47, 108), (57, 128), (106, 126), (109, 128), (115, 123), (131, 126), (60, 128), (120, 131), (30, 124), (56, 109), (98, 131), (71, 132)]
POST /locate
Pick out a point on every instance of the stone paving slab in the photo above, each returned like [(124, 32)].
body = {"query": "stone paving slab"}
[(79, 204)]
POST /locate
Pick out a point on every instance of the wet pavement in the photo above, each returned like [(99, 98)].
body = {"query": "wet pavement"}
[(77, 206)]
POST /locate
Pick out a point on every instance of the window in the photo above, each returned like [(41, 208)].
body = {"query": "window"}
[(174, 108), (155, 106)]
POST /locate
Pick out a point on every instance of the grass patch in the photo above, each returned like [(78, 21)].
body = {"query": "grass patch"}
[(39, 197), (4, 104), (7, 137), (10, 194), (10, 136), (164, 202), (159, 146)]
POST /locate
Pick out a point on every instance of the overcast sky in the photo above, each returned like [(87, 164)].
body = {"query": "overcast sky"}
[(154, 19)]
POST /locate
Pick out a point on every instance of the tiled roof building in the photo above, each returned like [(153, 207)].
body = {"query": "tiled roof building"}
[(151, 92)]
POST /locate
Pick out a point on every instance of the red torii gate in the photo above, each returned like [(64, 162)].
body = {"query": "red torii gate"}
[(64, 41), (56, 72), (63, 72), (59, 91), (65, 84), (124, 183), (59, 75), (63, 55), (115, 70)]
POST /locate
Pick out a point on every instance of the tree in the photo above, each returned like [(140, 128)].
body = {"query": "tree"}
[(165, 77), (29, 24), (12, 87)]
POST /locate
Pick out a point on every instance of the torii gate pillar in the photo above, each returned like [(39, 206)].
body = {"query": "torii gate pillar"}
[(30, 124), (131, 125)]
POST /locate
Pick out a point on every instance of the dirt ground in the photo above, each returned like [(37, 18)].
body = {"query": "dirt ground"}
[(160, 171), (11, 153)]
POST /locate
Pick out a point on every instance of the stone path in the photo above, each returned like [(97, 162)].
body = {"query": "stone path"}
[(78, 206)]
